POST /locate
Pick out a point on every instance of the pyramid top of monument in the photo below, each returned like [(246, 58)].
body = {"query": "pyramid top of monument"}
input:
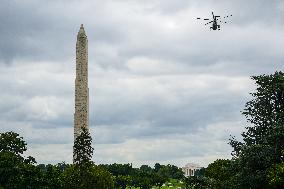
[(82, 32)]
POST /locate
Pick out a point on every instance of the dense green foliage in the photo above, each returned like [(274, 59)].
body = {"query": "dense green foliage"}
[(18, 172), (197, 182), (15, 170), (276, 175), (263, 140), (11, 142), (89, 177), (51, 175), (84, 173), (220, 173), (83, 150), (144, 177)]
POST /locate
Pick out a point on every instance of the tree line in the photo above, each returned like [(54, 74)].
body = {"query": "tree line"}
[(19, 172), (257, 159)]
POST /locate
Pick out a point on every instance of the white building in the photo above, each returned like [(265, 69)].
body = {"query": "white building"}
[(190, 169)]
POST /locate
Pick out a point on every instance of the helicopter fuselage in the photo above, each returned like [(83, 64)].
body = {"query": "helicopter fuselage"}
[(214, 22), (215, 26)]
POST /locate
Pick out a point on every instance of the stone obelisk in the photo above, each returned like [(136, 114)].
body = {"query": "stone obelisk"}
[(81, 115)]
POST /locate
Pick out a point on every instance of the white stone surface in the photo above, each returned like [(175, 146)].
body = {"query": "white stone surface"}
[(190, 168), (81, 115)]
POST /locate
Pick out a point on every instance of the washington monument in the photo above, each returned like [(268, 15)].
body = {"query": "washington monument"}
[(81, 115)]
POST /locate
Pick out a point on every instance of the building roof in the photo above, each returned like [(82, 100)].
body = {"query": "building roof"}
[(192, 165)]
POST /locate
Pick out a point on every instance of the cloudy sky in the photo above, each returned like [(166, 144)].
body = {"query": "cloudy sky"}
[(163, 87)]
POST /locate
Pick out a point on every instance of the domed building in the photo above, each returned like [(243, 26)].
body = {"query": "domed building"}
[(190, 169)]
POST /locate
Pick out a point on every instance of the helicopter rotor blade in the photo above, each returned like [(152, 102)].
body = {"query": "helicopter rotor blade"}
[(228, 16), (198, 18), (206, 18), (208, 22)]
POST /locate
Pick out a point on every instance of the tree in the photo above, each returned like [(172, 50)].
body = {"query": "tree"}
[(134, 178), (276, 176), (83, 150), (175, 172), (51, 175), (157, 167), (31, 177), (195, 182), (263, 139), (267, 107), (122, 174), (15, 170), (159, 180), (93, 177), (200, 172), (144, 180), (119, 169), (11, 148), (220, 172), (13, 143), (170, 171), (122, 181), (146, 175), (10, 171), (84, 174)]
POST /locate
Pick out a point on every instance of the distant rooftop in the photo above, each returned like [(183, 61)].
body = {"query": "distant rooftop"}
[(192, 165)]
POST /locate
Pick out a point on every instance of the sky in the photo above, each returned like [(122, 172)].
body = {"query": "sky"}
[(163, 87)]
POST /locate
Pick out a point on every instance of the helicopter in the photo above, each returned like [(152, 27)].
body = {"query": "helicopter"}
[(215, 25)]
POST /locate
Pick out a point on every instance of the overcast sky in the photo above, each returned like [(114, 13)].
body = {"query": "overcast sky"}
[(163, 87)]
